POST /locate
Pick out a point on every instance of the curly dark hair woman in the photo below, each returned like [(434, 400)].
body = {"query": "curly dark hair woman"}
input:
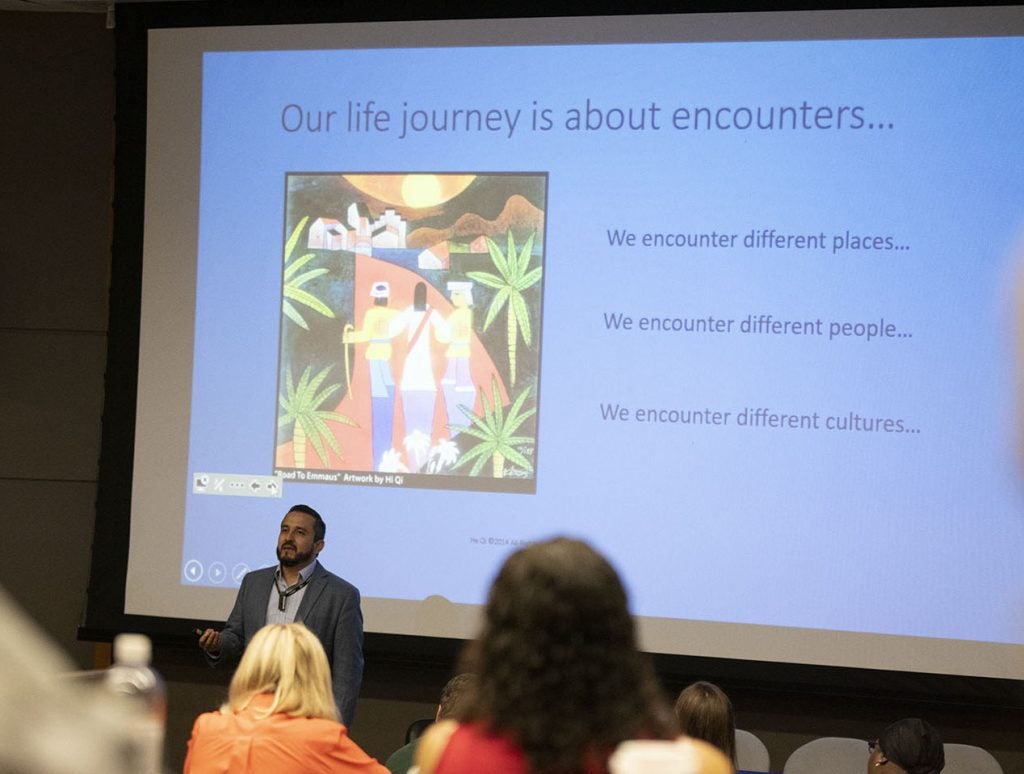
[(560, 679)]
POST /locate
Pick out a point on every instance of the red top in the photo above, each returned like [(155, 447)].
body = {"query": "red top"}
[(241, 744), (472, 750)]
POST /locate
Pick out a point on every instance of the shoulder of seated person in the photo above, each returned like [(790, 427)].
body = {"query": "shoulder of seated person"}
[(712, 760), (431, 745)]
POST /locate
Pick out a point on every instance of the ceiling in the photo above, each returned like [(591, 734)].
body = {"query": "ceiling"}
[(75, 6), (64, 6)]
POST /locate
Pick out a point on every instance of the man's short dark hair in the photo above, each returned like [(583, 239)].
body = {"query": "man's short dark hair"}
[(319, 527), (455, 695), (914, 745)]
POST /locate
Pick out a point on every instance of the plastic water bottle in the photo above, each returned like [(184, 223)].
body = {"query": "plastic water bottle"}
[(140, 691)]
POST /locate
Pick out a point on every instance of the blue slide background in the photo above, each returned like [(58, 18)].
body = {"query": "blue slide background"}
[(903, 533)]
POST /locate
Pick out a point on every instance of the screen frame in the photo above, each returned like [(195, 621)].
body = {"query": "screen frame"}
[(104, 614)]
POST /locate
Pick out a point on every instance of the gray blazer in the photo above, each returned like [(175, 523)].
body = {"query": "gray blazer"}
[(329, 608)]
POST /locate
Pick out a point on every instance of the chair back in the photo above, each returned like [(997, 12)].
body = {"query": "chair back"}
[(416, 729), (968, 759), (832, 754), (751, 753)]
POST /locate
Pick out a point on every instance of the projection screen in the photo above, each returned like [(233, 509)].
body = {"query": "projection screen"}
[(732, 297)]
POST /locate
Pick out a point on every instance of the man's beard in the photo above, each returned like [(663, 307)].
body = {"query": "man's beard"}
[(295, 559)]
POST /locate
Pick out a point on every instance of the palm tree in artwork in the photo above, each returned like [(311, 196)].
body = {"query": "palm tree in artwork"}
[(417, 447), (443, 456), (513, 277), (495, 429), (293, 281), (301, 405)]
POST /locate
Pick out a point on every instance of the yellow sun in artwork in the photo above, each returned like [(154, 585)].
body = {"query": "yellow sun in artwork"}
[(413, 190), (421, 190)]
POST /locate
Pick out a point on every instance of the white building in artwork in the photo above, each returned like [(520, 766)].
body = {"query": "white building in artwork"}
[(327, 234), (389, 230), (363, 232), (439, 256), (436, 257), (360, 229)]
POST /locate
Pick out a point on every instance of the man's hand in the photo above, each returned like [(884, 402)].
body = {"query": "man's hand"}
[(209, 641)]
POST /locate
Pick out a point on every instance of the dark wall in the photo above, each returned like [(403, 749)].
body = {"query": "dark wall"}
[(57, 152)]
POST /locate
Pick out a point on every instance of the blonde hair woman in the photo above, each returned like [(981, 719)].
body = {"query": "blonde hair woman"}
[(280, 715)]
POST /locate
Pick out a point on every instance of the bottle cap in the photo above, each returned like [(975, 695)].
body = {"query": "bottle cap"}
[(132, 649)]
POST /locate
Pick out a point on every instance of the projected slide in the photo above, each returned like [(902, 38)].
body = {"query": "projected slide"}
[(402, 263), (739, 313)]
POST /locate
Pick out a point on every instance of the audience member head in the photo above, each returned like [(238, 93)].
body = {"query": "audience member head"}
[(557, 664), (705, 712), (910, 745), (288, 661), (456, 695)]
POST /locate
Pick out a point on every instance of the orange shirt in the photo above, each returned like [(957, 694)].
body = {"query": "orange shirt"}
[(280, 744)]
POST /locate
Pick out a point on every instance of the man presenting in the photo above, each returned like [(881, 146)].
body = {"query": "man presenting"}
[(299, 589)]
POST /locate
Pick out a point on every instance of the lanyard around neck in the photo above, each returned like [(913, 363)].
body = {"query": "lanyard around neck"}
[(282, 595)]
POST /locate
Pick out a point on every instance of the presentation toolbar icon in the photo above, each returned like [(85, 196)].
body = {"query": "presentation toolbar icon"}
[(236, 484), (193, 571)]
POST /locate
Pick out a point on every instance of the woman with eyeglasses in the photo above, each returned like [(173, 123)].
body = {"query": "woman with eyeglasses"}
[(908, 746)]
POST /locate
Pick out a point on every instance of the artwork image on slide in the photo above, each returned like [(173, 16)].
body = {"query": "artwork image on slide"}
[(411, 330)]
